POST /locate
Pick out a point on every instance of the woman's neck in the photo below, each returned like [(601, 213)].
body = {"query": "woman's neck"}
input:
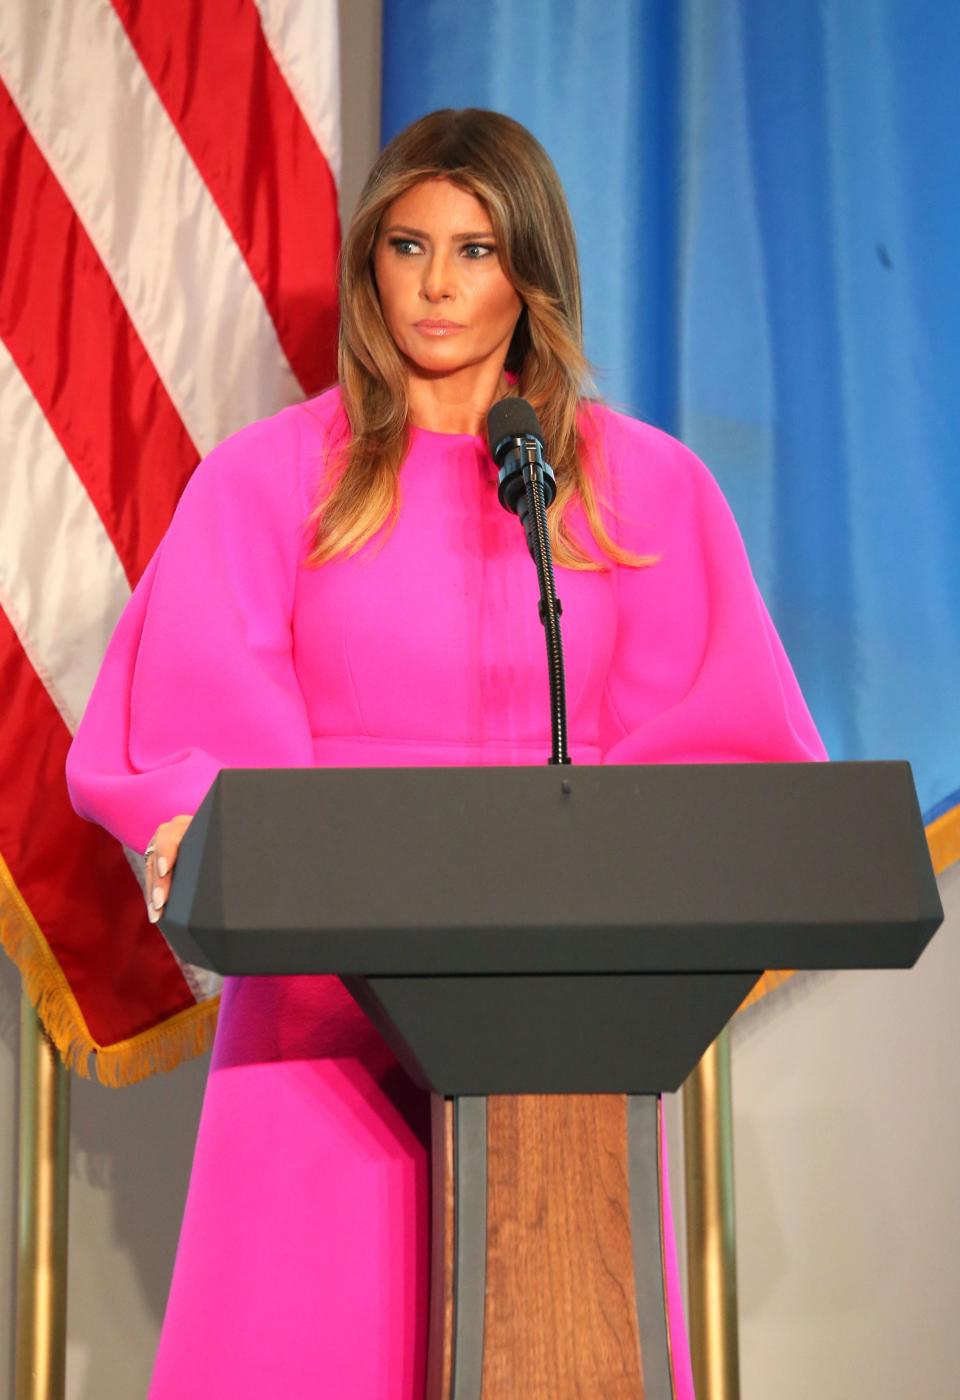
[(455, 403)]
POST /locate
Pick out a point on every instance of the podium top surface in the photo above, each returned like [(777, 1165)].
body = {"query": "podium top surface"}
[(451, 871)]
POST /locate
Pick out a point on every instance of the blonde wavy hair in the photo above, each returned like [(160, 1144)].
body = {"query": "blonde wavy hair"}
[(499, 162)]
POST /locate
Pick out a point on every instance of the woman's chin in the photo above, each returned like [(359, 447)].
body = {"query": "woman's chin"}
[(440, 361)]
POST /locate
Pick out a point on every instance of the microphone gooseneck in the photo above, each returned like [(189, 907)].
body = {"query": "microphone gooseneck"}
[(527, 486)]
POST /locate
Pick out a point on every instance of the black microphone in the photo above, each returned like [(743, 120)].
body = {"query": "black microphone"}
[(527, 485), (516, 442)]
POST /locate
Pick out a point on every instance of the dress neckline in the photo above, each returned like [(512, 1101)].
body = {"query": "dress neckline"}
[(476, 438)]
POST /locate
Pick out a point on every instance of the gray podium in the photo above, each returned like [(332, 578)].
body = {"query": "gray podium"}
[(547, 950)]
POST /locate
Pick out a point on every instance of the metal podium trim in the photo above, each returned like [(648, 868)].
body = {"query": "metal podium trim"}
[(646, 1228), (470, 1245)]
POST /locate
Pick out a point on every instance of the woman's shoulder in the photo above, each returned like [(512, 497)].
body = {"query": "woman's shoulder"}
[(660, 496), (639, 458), (272, 459)]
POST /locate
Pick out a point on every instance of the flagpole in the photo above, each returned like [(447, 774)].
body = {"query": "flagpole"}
[(41, 1330), (711, 1241)]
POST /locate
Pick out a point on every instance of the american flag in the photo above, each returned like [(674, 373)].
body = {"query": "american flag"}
[(168, 244)]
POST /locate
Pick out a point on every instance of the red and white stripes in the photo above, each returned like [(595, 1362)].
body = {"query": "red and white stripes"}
[(168, 243)]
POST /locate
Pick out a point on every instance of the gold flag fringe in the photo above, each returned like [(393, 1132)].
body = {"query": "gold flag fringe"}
[(768, 982), (943, 838), (182, 1037)]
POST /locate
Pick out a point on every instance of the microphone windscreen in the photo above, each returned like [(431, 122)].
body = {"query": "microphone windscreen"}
[(511, 418)]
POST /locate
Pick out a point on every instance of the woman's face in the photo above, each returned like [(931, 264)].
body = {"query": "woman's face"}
[(445, 298)]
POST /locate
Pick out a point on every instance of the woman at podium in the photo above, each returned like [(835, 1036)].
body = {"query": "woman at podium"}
[(340, 586)]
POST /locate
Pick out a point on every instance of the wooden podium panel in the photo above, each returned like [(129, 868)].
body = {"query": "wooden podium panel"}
[(548, 1276)]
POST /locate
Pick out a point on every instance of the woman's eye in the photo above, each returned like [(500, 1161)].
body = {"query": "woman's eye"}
[(405, 246), (478, 250)]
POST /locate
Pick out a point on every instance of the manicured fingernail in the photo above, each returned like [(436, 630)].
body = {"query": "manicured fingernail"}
[(159, 898), (161, 866), (153, 915)]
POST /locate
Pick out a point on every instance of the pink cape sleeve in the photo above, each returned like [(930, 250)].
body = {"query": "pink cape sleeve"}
[(199, 674), (699, 674)]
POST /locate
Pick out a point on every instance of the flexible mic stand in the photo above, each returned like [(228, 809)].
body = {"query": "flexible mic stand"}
[(527, 486)]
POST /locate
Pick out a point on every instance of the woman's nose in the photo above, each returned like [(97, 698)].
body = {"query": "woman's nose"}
[(437, 283)]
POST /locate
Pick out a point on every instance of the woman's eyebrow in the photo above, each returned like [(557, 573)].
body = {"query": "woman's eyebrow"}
[(409, 232)]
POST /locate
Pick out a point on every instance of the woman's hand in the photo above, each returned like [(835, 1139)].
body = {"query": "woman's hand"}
[(161, 858)]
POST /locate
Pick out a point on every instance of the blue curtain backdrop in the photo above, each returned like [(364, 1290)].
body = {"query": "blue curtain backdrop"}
[(767, 200)]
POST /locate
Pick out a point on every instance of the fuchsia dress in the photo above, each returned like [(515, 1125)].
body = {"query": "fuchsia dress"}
[(302, 1264)]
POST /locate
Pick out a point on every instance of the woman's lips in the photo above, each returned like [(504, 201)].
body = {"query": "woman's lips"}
[(438, 328)]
